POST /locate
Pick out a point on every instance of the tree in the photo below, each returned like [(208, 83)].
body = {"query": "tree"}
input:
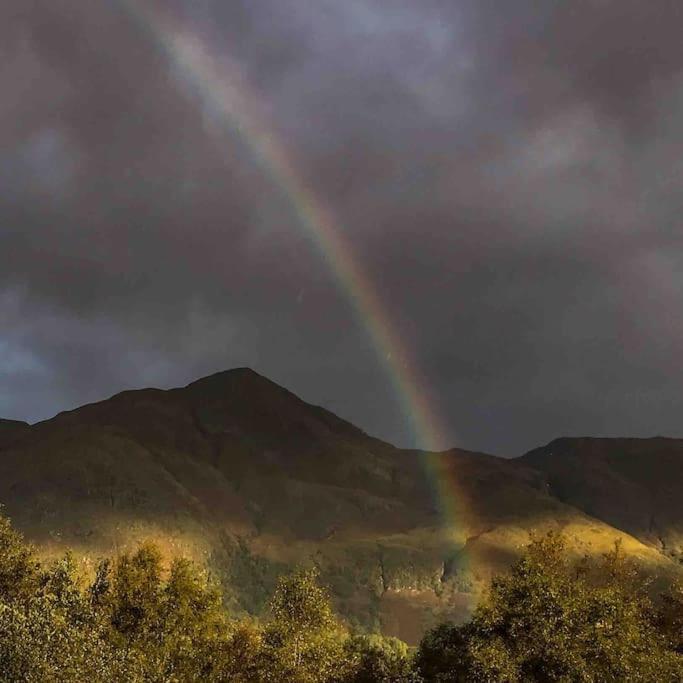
[(134, 599), (670, 617), (550, 619), (19, 568), (378, 659), (443, 654), (192, 631), (303, 640), (53, 634), (244, 659), (173, 629)]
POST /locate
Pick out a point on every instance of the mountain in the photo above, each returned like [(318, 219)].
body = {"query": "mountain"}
[(633, 484), (12, 430), (245, 477)]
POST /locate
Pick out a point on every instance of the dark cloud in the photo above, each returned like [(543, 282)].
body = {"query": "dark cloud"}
[(508, 174)]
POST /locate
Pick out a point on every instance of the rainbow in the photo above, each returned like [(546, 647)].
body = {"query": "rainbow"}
[(224, 94)]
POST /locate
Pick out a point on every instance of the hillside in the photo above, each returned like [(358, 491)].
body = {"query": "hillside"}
[(633, 484), (242, 475), (11, 431)]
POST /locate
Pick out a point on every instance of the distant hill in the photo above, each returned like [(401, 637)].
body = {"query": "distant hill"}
[(633, 484), (242, 475)]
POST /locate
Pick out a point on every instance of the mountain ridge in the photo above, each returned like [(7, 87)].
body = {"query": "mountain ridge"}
[(244, 476), (635, 484)]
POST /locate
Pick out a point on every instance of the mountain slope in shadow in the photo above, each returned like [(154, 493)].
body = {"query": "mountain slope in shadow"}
[(11, 431), (242, 475)]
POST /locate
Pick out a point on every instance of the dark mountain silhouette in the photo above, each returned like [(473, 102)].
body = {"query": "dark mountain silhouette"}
[(242, 475), (11, 431)]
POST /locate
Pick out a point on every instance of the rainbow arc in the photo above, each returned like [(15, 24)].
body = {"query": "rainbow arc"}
[(221, 91)]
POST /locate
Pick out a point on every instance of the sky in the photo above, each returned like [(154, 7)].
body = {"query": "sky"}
[(508, 176)]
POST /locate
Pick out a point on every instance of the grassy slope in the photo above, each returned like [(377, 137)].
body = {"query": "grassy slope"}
[(632, 484), (239, 473)]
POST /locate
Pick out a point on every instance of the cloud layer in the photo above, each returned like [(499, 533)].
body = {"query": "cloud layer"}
[(509, 174)]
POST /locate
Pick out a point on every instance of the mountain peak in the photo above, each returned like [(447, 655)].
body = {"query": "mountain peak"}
[(245, 396), (245, 382), (242, 375)]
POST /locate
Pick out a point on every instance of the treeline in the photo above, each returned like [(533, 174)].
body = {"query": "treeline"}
[(548, 619)]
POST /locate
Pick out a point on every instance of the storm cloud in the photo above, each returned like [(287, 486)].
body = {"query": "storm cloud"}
[(508, 174)]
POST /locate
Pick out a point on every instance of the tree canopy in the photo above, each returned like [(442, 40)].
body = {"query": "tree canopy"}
[(548, 619), (552, 619)]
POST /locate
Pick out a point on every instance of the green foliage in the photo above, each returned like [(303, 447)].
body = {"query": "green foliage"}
[(250, 580), (670, 616), (175, 627), (442, 655), (53, 634), (304, 640), (135, 595), (18, 565), (300, 605), (378, 659), (130, 624), (551, 620), (243, 658), (548, 619)]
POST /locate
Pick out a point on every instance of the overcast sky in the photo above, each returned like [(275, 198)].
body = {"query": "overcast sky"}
[(508, 173)]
